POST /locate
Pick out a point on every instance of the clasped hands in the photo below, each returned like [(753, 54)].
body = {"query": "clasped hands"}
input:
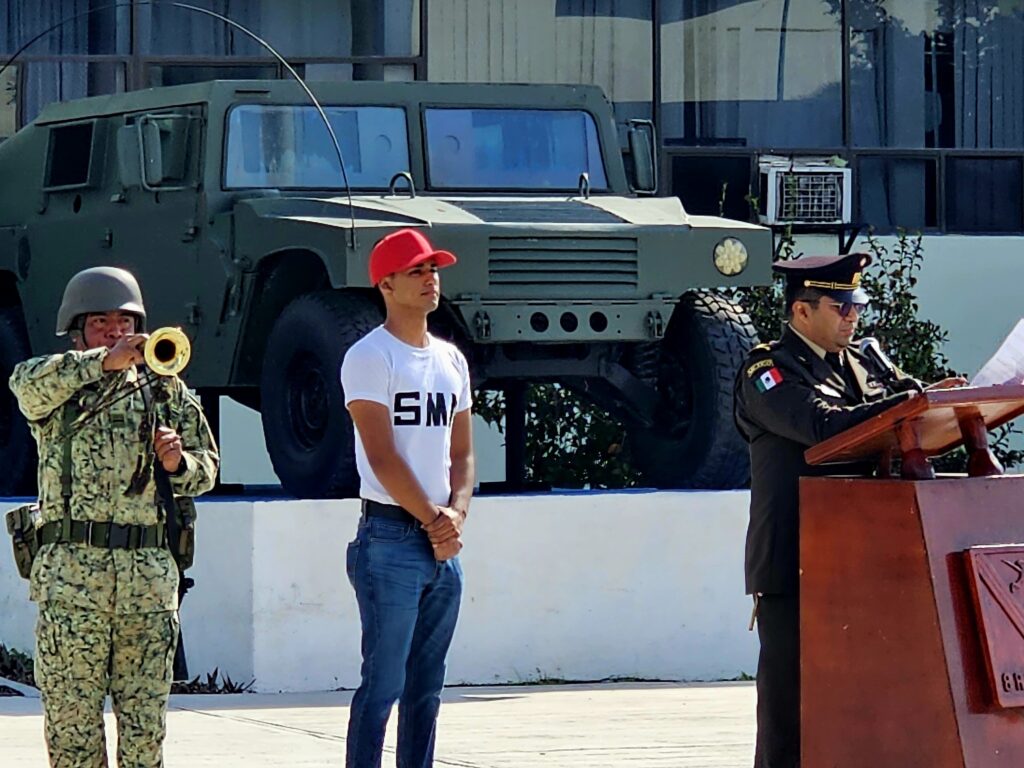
[(445, 533)]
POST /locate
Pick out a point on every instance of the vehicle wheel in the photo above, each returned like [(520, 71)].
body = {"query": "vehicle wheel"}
[(305, 423), (694, 442), (17, 448)]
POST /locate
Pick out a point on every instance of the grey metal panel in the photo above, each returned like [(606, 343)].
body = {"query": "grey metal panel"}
[(569, 267), (546, 212)]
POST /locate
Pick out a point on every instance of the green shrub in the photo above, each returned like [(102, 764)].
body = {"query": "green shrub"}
[(16, 666)]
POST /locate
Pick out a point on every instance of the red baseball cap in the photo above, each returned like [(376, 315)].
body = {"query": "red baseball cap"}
[(403, 250)]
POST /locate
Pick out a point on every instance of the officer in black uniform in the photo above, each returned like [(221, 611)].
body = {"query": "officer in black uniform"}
[(807, 386)]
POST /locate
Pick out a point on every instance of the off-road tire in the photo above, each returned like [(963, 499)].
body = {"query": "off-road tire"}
[(17, 448), (694, 442), (307, 428)]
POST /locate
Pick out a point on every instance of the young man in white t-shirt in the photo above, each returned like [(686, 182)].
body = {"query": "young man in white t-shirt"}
[(409, 396)]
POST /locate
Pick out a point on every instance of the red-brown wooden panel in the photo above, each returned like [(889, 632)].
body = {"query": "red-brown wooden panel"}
[(875, 692), (934, 416), (957, 515), (893, 661)]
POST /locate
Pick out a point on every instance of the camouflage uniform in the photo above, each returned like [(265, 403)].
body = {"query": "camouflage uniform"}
[(107, 617)]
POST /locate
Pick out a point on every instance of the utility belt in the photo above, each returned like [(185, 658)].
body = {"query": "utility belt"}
[(104, 535), (27, 537), (388, 512)]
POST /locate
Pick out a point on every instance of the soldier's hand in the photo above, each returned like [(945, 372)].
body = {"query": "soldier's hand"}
[(168, 447), (948, 383), (126, 352), (447, 549), (447, 525)]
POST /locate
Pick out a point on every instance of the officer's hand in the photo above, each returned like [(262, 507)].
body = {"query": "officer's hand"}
[(447, 525), (949, 383), (126, 353), (168, 447), (446, 550)]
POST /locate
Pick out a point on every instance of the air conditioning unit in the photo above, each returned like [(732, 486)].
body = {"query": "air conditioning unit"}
[(802, 190)]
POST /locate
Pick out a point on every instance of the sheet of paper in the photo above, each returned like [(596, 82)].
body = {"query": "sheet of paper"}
[(1006, 366)]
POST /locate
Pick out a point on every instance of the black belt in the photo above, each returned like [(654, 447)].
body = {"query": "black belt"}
[(388, 512), (105, 535)]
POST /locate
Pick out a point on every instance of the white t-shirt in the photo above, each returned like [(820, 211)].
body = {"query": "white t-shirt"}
[(423, 388)]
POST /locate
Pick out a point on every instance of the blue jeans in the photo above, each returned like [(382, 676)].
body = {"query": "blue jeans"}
[(408, 605)]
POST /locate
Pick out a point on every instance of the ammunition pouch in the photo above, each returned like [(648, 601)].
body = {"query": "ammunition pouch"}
[(21, 525), (184, 549)]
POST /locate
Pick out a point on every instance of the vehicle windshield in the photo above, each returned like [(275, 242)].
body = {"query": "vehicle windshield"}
[(515, 149), (288, 147)]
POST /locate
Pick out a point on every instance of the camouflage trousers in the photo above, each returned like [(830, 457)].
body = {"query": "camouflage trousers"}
[(81, 656)]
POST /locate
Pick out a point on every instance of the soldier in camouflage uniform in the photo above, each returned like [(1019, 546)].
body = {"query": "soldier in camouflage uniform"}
[(105, 582)]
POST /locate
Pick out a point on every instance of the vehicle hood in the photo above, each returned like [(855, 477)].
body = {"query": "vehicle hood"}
[(425, 211)]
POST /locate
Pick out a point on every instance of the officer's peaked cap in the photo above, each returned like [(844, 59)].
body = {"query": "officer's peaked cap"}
[(836, 276)]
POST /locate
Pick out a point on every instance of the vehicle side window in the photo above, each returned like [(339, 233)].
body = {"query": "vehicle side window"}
[(70, 155)]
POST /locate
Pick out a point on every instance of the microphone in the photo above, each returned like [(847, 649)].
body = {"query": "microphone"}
[(872, 350)]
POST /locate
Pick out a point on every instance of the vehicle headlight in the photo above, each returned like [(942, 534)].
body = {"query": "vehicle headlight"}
[(730, 256)]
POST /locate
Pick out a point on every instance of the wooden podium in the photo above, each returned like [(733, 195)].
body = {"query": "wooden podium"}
[(912, 594)]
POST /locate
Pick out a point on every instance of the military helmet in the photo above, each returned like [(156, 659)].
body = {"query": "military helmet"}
[(97, 290)]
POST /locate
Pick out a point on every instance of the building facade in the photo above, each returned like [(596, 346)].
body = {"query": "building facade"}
[(922, 100)]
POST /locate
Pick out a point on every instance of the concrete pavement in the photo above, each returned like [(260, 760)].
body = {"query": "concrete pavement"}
[(662, 725)]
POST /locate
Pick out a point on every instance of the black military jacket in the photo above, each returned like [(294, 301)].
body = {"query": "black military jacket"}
[(787, 399)]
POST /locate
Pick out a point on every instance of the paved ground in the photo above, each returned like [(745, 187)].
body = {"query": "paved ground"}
[(701, 725)]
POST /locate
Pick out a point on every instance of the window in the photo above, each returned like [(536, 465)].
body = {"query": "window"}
[(760, 73), (522, 149), (983, 194), (106, 30), (69, 155), (296, 28), (95, 47), (896, 192), (288, 147), (936, 73), (49, 81), (712, 185), (606, 43)]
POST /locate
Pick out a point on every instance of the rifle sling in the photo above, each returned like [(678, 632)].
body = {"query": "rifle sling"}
[(164, 492)]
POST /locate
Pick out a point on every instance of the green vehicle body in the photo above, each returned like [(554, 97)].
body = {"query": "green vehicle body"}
[(584, 285)]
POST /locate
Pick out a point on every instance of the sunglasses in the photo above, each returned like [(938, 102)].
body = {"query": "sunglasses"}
[(843, 308)]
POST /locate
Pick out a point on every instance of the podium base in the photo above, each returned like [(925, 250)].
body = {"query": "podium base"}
[(908, 651)]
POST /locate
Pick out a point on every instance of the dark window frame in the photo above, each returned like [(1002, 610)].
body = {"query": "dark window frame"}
[(92, 162), (136, 64), (940, 156)]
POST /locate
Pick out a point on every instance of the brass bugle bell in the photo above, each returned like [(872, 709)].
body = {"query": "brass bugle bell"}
[(167, 351)]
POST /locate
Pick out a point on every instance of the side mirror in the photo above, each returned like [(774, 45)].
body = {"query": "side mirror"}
[(129, 164), (152, 153), (642, 155)]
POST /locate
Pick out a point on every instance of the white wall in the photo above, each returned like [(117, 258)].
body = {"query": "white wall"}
[(244, 457), (971, 286), (580, 587)]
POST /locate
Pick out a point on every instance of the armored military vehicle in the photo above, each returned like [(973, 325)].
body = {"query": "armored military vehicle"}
[(228, 201)]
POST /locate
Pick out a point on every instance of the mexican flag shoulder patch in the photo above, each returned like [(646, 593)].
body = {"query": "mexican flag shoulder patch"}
[(769, 379)]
